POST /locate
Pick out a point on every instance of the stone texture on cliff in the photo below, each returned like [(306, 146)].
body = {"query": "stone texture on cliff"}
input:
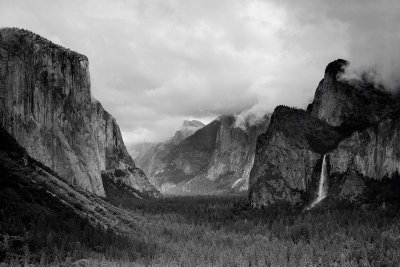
[(46, 105), (111, 148), (374, 152), (371, 114), (353, 187), (351, 104), (288, 156)]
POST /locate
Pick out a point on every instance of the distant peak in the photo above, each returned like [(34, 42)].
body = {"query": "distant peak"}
[(193, 123)]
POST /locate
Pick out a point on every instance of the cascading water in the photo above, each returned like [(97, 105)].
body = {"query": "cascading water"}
[(322, 187)]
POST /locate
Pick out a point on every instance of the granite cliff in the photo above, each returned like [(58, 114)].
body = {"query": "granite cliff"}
[(352, 104), (353, 123), (288, 156), (215, 159), (46, 105)]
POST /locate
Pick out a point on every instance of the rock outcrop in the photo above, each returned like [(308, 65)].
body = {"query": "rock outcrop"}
[(352, 122), (37, 187), (46, 105), (215, 159), (373, 153), (351, 104), (288, 157)]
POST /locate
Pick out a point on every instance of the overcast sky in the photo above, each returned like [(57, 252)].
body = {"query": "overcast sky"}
[(154, 63)]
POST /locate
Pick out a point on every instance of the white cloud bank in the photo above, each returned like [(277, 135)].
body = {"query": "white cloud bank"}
[(155, 63)]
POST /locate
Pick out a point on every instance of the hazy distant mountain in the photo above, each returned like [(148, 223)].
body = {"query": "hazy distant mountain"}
[(215, 159), (188, 128), (142, 152), (148, 156)]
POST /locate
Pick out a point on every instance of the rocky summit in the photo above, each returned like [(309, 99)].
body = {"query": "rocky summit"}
[(353, 123), (46, 105), (351, 104), (214, 159)]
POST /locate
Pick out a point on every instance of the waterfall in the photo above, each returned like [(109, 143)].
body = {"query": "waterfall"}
[(322, 187)]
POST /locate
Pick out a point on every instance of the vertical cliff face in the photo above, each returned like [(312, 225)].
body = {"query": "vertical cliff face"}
[(111, 149), (353, 123), (288, 157), (374, 152), (116, 164), (371, 154), (350, 104), (369, 114), (233, 156), (46, 105), (215, 159)]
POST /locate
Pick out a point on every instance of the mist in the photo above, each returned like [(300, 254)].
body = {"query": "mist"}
[(374, 41), (370, 34)]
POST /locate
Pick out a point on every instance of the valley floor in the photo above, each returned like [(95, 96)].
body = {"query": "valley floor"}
[(215, 231)]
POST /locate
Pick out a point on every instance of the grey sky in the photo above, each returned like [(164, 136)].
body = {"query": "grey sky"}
[(155, 63)]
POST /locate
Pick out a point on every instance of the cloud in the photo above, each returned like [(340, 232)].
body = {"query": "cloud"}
[(155, 63), (372, 35), (374, 44)]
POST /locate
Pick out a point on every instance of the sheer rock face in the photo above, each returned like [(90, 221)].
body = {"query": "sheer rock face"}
[(215, 159), (288, 157), (350, 104), (233, 156), (373, 153), (46, 105), (111, 148), (356, 125)]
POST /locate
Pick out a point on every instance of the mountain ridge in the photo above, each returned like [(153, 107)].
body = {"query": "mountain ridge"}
[(215, 159)]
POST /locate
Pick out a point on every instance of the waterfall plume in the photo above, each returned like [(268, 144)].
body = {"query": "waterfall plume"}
[(322, 186)]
